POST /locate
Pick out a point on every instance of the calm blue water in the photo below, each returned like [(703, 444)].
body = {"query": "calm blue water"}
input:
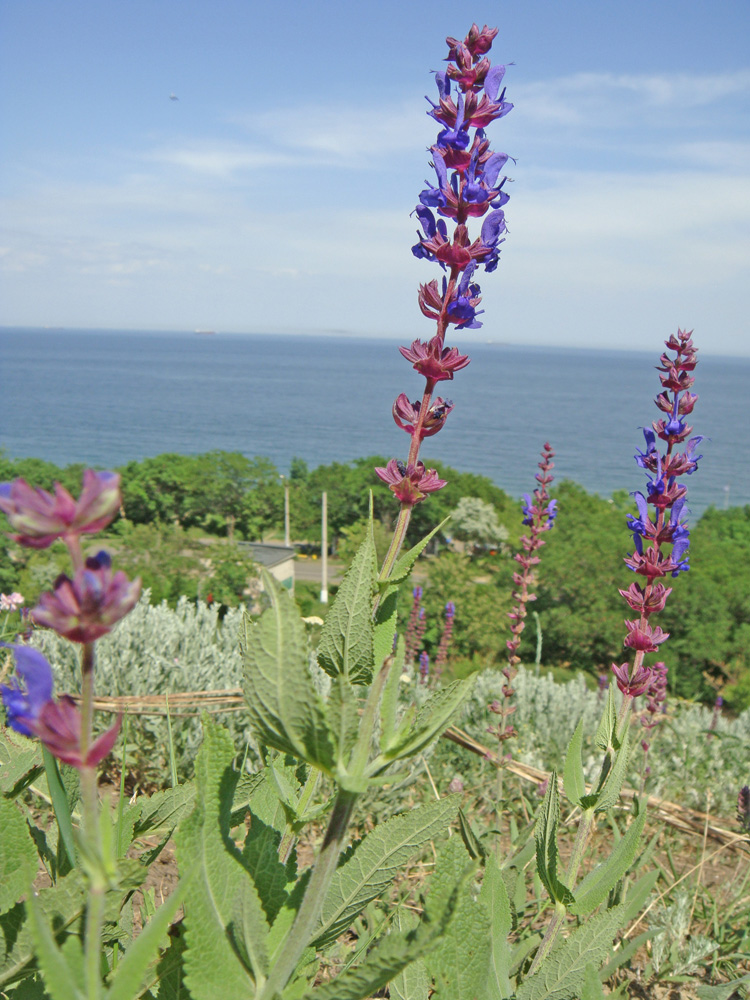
[(104, 398)]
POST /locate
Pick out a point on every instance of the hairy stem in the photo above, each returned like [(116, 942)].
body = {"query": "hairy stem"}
[(305, 923)]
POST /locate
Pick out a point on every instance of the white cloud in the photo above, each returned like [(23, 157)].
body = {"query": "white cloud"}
[(608, 99)]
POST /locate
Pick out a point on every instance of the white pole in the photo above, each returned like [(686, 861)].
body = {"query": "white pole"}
[(287, 535), (324, 552)]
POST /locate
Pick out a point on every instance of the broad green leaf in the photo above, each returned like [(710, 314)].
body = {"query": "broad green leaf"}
[(431, 720), (460, 966), (404, 564), (546, 844), (637, 895), (389, 702), (723, 992), (162, 811), (261, 849), (20, 762), (610, 791), (474, 847), (384, 963), (372, 865), (606, 728), (346, 642), (169, 973), (592, 987), (386, 627), (205, 852), (573, 778), (343, 719), (61, 978), (18, 857), (596, 886), (62, 904), (562, 973), (130, 974), (285, 710), (494, 896), (412, 982)]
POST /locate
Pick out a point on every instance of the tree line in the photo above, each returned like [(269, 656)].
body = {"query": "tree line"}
[(171, 498)]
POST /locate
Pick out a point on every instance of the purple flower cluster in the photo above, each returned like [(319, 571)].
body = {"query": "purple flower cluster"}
[(659, 521), (467, 185), (81, 608)]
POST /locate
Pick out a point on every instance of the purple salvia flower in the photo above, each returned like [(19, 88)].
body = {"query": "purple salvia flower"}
[(86, 607), (39, 518), (32, 711), (665, 527), (30, 690), (467, 186)]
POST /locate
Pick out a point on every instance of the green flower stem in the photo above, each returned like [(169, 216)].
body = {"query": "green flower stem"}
[(558, 919), (92, 949), (87, 698), (305, 923)]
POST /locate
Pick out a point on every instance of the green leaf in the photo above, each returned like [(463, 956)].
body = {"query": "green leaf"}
[(545, 834), (385, 962), (723, 992), (605, 731), (596, 886), (573, 778), (431, 720), (61, 979), (214, 941), (562, 973), (389, 702), (412, 982), (610, 791), (592, 987), (163, 811), (20, 762), (18, 857), (494, 896), (130, 974), (346, 642), (285, 710), (461, 964), (261, 849), (404, 564), (474, 847), (638, 894), (374, 863), (61, 803), (62, 905), (343, 719)]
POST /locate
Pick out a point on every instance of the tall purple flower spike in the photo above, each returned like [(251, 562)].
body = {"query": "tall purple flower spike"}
[(660, 534)]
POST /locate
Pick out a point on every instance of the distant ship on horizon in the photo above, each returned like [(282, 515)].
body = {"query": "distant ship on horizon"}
[(206, 333)]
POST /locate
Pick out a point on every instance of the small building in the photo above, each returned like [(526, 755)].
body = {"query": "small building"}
[(277, 559)]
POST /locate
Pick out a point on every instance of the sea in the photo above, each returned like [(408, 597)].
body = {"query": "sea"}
[(106, 397)]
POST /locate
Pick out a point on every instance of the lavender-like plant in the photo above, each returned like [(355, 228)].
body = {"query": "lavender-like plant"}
[(468, 185)]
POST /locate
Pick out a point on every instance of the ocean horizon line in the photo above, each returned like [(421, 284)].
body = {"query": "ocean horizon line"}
[(338, 334)]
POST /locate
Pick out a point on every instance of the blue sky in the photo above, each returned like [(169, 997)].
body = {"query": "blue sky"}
[(275, 194)]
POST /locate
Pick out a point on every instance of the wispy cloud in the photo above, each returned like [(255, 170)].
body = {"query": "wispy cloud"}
[(608, 99)]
